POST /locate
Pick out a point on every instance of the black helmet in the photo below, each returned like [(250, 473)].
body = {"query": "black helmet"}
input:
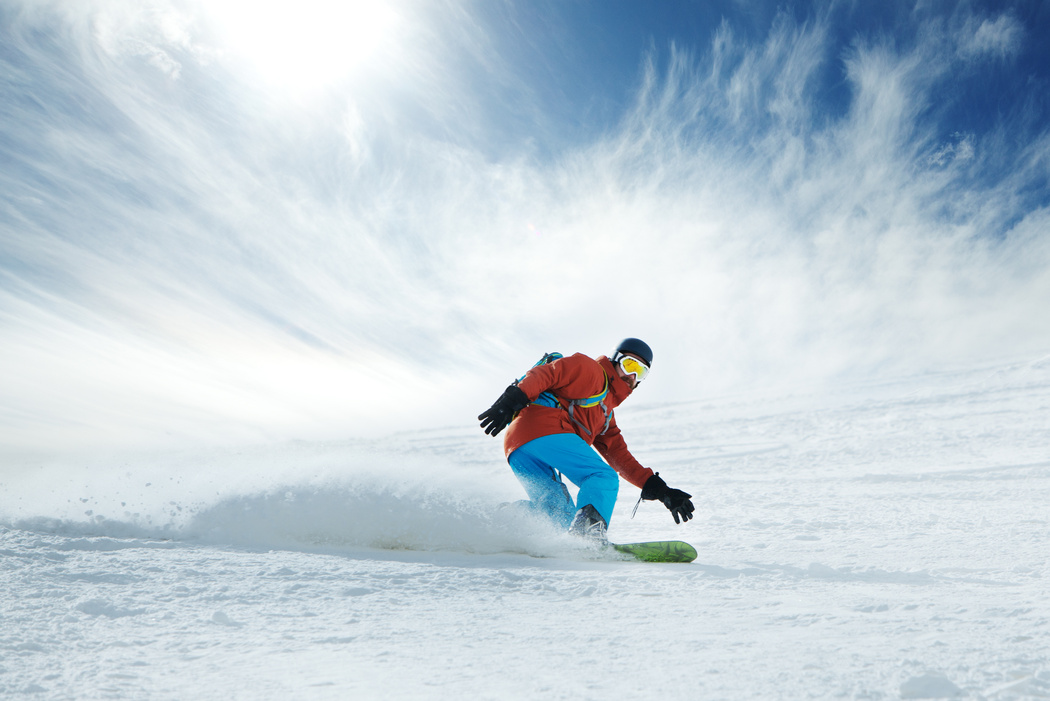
[(636, 347)]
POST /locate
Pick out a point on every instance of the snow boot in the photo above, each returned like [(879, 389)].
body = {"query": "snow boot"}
[(589, 525)]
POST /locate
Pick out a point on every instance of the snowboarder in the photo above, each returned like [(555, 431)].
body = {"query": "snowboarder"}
[(556, 412)]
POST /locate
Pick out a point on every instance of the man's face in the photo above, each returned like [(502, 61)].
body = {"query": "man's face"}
[(630, 379)]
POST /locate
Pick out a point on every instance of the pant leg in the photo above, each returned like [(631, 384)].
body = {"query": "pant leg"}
[(547, 493), (568, 454)]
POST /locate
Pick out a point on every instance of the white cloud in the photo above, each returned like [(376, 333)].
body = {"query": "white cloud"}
[(190, 258), (999, 38)]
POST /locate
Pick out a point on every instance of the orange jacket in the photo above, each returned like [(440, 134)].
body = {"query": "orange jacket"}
[(577, 377)]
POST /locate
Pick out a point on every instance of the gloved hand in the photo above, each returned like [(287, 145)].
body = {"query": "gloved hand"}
[(676, 501), (495, 418)]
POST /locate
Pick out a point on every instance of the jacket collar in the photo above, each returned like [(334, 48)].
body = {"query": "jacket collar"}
[(618, 386)]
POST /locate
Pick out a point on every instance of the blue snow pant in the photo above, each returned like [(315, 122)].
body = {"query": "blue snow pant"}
[(540, 464)]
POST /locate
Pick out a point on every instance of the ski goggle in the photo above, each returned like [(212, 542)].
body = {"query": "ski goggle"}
[(633, 366)]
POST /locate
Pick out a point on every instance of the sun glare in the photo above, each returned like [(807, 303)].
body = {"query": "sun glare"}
[(302, 45)]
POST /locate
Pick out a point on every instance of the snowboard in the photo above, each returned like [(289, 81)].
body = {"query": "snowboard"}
[(658, 551)]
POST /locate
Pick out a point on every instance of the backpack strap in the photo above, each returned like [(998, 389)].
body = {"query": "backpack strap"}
[(550, 399), (587, 402)]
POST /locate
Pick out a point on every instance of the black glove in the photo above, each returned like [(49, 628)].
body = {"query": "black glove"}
[(676, 501), (495, 418)]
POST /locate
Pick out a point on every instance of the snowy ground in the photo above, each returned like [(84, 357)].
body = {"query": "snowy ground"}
[(882, 541)]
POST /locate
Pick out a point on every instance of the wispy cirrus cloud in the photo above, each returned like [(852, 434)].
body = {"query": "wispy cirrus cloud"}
[(997, 37)]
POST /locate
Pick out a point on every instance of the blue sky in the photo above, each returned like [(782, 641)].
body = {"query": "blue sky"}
[(229, 222)]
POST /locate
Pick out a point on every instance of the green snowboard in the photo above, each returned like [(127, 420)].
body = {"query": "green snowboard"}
[(659, 551)]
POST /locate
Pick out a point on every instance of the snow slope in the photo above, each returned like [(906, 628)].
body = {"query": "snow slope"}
[(879, 541)]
